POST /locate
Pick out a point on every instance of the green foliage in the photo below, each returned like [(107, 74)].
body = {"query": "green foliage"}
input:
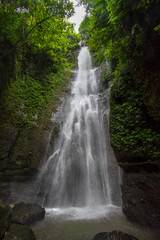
[(37, 37), (123, 28), (41, 21), (39, 28), (129, 122), (28, 96), (107, 77), (157, 28), (84, 28), (87, 3)]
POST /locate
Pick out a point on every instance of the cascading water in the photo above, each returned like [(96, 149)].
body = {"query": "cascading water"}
[(79, 183), (77, 174)]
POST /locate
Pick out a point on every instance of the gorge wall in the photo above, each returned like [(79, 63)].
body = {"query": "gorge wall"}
[(135, 137)]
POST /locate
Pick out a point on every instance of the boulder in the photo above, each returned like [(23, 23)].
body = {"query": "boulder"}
[(114, 235), (4, 218), (27, 213), (19, 232), (141, 198), (101, 236)]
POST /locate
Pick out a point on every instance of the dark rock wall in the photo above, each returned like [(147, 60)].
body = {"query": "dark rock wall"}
[(134, 133), (135, 138), (141, 197)]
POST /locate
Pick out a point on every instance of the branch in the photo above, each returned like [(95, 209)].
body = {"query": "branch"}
[(24, 37), (155, 74)]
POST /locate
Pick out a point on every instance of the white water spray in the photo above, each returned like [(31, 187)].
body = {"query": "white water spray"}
[(77, 174)]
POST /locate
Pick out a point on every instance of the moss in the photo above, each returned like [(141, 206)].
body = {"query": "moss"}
[(107, 78), (149, 81), (28, 96), (131, 127), (19, 232)]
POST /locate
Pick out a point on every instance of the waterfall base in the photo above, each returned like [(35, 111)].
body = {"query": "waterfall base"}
[(85, 213), (71, 224)]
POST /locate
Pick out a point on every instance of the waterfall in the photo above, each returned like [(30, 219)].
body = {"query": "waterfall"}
[(77, 174)]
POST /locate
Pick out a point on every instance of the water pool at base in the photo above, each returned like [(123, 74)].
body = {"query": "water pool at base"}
[(84, 223)]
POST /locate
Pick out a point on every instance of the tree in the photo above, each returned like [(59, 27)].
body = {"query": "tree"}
[(19, 18)]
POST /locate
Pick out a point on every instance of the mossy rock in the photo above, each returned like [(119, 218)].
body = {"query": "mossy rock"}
[(19, 232), (27, 213), (4, 218)]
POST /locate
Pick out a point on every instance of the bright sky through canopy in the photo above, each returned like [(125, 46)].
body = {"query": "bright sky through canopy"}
[(78, 16)]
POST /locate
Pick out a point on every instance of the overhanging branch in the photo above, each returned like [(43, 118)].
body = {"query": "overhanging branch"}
[(25, 36)]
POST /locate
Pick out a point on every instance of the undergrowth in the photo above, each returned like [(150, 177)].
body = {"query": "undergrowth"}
[(28, 96), (131, 126)]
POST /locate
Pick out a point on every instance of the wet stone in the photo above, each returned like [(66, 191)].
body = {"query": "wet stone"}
[(19, 232), (115, 235), (27, 213), (4, 218)]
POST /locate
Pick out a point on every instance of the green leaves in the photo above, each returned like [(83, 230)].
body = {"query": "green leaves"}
[(40, 25), (128, 122), (20, 18), (157, 28), (40, 43), (28, 96)]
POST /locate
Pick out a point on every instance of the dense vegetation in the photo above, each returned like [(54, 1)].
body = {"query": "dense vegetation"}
[(127, 33), (36, 46), (37, 49)]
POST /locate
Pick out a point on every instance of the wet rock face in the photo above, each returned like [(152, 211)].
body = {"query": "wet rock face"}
[(19, 232), (8, 136), (27, 213), (141, 198), (13, 223), (115, 235), (4, 218)]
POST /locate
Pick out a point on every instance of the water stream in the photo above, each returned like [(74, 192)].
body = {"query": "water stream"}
[(77, 172)]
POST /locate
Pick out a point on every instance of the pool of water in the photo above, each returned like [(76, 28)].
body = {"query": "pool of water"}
[(84, 223)]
